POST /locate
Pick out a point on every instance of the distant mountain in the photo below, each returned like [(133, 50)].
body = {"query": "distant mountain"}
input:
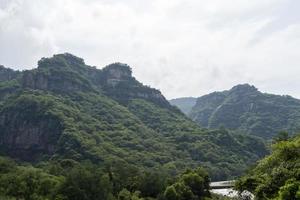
[(245, 109), (185, 104), (65, 109)]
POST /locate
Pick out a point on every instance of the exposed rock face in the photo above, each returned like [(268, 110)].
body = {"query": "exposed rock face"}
[(70, 110), (116, 73), (7, 74), (54, 81), (118, 83), (65, 73), (28, 138), (34, 80), (62, 73)]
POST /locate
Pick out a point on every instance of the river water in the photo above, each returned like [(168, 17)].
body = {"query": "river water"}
[(227, 189), (228, 192), (224, 188)]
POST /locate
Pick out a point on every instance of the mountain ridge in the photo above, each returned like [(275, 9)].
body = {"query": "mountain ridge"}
[(65, 109), (245, 109)]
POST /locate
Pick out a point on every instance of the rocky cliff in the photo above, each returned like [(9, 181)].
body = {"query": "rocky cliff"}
[(118, 83), (28, 127), (26, 135), (7, 74)]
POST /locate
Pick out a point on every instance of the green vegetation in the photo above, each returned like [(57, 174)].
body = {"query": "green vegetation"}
[(277, 176), (70, 180), (101, 134), (66, 109), (191, 185), (246, 110)]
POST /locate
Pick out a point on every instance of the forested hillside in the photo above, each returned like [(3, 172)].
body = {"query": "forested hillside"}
[(69, 113), (277, 176), (247, 110)]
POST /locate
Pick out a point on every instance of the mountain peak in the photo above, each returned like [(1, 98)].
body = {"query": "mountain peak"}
[(244, 88), (61, 60), (117, 72), (245, 109), (121, 67)]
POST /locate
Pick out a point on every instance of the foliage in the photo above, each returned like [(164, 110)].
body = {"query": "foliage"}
[(277, 176), (70, 180), (247, 110), (66, 109), (191, 185)]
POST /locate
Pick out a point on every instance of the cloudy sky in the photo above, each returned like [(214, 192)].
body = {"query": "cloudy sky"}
[(182, 47)]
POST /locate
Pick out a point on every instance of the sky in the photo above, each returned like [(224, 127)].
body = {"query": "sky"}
[(181, 47)]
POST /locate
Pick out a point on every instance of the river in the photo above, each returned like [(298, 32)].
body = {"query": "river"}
[(225, 188)]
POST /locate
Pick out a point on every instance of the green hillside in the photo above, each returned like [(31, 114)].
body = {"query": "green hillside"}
[(65, 109), (247, 110)]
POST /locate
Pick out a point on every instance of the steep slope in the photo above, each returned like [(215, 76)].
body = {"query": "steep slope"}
[(8, 74), (185, 104), (245, 109), (67, 109)]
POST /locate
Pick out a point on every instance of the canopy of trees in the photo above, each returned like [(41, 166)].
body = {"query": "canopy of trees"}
[(277, 176)]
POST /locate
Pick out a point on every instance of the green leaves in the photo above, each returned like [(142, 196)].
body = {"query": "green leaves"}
[(68, 113), (291, 190), (28, 183), (276, 176), (247, 110), (191, 185)]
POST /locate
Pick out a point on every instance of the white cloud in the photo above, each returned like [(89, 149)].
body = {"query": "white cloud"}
[(183, 47)]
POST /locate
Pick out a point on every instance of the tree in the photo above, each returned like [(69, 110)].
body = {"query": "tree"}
[(193, 184), (126, 195), (152, 183), (291, 190), (281, 136), (170, 193)]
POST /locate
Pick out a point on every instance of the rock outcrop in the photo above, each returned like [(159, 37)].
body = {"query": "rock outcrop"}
[(7, 74), (25, 137), (116, 73), (118, 83)]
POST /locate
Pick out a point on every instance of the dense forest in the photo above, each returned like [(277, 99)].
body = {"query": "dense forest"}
[(244, 109), (70, 180), (68, 125), (277, 176)]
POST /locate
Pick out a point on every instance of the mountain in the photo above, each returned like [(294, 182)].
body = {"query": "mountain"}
[(185, 104), (65, 109), (247, 110)]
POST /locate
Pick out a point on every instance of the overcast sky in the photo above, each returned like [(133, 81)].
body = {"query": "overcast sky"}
[(182, 47)]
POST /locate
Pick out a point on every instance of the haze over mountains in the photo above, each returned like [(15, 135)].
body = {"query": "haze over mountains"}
[(244, 109), (185, 104)]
